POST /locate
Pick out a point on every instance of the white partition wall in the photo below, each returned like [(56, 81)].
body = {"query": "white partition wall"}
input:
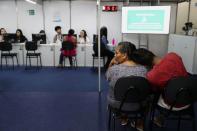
[(57, 13), (83, 16), (8, 16), (29, 23), (182, 16), (185, 46), (193, 10)]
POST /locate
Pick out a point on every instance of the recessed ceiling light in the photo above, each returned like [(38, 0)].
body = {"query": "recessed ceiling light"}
[(31, 1)]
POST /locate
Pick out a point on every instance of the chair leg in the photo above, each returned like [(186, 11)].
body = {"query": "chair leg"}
[(144, 123), (193, 123), (76, 61), (64, 61), (152, 115), (13, 62), (73, 61), (103, 61), (40, 62), (193, 118), (109, 120), (29, 61), (6, 61), (17, 60), (93, 62), (179, 122), (1, 62), (136, 121), (114, 122), (26, 63), (37, 61)]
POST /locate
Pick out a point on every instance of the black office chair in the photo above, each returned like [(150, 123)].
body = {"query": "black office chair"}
[(95, 49), (5, 48), (179, 91), (31, 48), (95, 56), (68, 47), (130, 90)]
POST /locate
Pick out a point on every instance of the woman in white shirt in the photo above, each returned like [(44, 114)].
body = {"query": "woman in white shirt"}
[(83, 39)]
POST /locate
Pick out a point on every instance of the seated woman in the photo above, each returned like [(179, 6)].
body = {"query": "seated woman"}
[(2, 34), (162, 70), (83, 38), (120, 66), (20, 38), (104, 51), (72, 39), (43, 37)]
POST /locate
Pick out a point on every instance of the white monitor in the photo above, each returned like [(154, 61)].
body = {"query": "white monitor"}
[(146, 19)]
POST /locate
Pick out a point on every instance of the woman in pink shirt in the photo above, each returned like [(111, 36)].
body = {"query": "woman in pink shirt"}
[(161, 71), (69, 53)]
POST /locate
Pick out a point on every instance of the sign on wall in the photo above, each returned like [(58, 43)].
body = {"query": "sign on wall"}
[(57, 17), (31, 12)]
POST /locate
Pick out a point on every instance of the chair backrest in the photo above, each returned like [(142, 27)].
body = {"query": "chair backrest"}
[(65, 35), (181, 90), (67, 45), (31, 46), (95, 38), (136, 88), (5, 46)]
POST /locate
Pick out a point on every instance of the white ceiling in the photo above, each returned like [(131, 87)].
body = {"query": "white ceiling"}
[(111, 0)]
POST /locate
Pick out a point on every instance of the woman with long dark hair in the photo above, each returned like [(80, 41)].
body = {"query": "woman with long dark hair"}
[(19, 38), (104, 49), (83, 38)]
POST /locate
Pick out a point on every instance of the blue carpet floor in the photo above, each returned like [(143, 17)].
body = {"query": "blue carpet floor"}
[(56, 100), (50, 79)]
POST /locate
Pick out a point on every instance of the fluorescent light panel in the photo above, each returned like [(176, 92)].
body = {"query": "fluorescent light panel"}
[(31, 1)]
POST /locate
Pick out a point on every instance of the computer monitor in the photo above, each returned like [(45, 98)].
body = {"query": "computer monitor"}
[(10, 37), (39, 37)]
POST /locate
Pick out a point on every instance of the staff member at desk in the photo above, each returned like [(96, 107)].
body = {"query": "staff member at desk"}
[(83, 38), (20, 38), (58, 38), (2, 34)]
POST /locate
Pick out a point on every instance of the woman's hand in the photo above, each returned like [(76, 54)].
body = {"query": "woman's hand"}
[(113, 62)]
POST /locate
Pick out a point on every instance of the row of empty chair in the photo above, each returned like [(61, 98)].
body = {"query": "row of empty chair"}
[(30, 47)]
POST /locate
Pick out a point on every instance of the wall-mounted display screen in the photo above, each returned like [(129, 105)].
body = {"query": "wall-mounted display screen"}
[(146, 19)]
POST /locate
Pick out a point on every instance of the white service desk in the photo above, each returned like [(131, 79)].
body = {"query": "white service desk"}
[(50, 54)]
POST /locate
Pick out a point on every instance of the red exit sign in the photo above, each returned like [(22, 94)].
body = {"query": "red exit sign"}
[(110, 8)]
